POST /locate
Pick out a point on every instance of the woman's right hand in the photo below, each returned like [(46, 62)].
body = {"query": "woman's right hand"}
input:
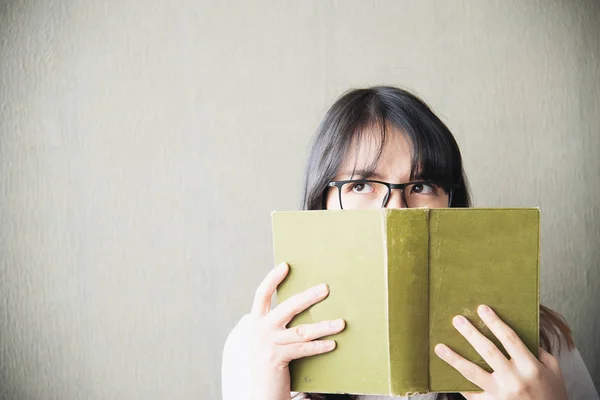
[(259, 349)]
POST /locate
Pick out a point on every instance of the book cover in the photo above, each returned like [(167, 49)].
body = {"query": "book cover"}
[(398, 276)]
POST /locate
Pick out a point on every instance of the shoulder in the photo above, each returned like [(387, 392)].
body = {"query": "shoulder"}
[(575, 374)]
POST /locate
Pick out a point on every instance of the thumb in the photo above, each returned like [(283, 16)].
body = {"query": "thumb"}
[(549, 361)]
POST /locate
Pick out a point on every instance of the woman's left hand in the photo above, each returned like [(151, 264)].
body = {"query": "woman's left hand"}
[(520, 377)]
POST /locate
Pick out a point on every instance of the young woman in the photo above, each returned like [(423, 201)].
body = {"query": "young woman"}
[(384, 147)]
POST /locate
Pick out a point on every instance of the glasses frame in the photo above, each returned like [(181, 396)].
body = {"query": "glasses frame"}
[(449, 187)]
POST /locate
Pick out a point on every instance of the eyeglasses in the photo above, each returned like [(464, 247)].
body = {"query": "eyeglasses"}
[(360, 194)]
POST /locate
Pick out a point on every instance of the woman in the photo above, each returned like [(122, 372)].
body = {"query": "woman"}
[(370, 136)]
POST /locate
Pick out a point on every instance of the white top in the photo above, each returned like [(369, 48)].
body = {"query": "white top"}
[(575, 375)]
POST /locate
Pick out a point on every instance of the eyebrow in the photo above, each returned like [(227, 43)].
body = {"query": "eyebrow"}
[(364, 174)]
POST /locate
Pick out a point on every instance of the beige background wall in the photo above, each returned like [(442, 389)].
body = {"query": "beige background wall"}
[(144, 143)]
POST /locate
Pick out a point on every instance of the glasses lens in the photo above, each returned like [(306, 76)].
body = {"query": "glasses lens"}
[(426, 195), (363, 195)]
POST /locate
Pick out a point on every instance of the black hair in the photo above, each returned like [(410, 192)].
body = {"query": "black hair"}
[(435, 153)]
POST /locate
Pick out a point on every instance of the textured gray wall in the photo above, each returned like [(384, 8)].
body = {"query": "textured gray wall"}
[(144, 143)]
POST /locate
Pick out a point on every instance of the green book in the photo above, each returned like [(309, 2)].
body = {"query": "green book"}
[(398, 276)]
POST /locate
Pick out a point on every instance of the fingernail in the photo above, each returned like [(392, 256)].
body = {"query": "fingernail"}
[(483, 309), (459, 321), (441, 350), (281, 268), (336, 324), (330, 344), (321, 288)]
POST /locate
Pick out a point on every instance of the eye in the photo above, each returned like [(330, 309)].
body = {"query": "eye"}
[(422, 188), (362, 188)]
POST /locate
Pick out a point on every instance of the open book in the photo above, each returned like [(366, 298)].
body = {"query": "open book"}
[(398, 276)]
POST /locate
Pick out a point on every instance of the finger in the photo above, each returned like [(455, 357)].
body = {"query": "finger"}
[(549, 361), (295, 351), (264, 292), (510, 340), (306, 333), (284, 312), (484, 346), (472, 372)]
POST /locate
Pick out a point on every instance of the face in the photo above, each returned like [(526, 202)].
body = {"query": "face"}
[(394, 167)]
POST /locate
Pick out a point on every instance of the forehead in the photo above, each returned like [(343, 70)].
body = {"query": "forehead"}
[(387, 154)]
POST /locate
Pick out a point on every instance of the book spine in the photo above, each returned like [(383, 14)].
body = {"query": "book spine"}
[(407, 247)]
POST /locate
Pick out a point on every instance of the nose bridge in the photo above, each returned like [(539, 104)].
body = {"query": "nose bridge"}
[(395, 200)]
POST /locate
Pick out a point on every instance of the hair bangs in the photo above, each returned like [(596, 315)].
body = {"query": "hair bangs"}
[(371, 138), (434, 152), (432, 161)]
